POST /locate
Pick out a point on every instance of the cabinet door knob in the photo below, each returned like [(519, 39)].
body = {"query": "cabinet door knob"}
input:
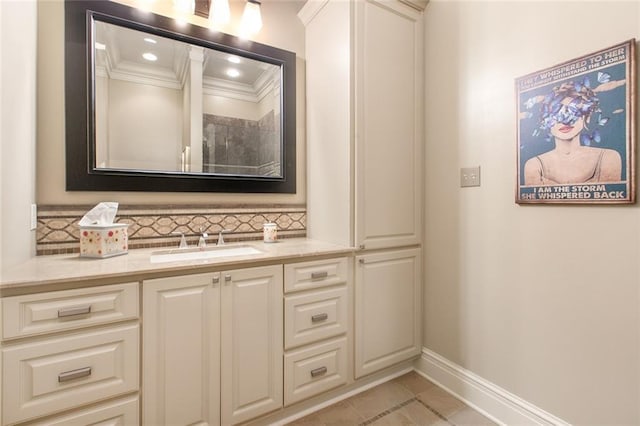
[(227, 278), (74, 374), (318, 371), (319, 317), (215, 280), (74, 310), (319, 275)]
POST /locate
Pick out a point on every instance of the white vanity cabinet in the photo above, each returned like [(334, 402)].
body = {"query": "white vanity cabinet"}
[(389, 115), (212, 347), (71, 350), (317, 327), (365, 112), (387, 309)]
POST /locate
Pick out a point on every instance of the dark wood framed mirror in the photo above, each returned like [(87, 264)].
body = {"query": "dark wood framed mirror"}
[(157, 105)]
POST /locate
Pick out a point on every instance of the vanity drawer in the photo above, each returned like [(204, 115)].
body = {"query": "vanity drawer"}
[(40, 313), (319, 273), (315, 369), (123, 411), (313, 316), (55, 374)]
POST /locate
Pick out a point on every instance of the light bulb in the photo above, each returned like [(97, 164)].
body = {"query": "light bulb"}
[(184, 7), (251, 18), (145, 4), (219, 13)]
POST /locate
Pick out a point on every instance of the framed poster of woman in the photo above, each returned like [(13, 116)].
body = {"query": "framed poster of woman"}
[(576, 130)]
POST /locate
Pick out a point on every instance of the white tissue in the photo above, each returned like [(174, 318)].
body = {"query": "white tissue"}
[(101, 215)]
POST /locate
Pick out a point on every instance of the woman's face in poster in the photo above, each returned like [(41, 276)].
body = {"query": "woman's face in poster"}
[(567, 129)]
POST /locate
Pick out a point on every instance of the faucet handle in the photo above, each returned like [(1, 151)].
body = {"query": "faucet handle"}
[(204, 233), (183, 240), (202, 241), (221, 238)]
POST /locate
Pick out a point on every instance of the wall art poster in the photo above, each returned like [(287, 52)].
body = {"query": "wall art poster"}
[(576, 130)]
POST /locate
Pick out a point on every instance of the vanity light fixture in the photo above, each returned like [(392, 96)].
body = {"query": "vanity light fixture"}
[(149, 56), (251, 19), (219, 14)]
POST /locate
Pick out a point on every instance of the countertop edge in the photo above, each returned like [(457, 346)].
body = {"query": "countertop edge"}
[(39, 274)]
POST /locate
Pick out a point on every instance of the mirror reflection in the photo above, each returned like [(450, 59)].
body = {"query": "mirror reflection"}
[(166, 105)]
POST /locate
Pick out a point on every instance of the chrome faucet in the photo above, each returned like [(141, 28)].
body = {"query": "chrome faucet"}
[(202, 242), (221, 238), (183, 240)]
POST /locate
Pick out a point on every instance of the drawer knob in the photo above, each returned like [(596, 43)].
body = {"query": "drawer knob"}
[(319, 317), (319, 275), (318, 371), (74, 374), (227, 278), (74, 310), (215, 280)]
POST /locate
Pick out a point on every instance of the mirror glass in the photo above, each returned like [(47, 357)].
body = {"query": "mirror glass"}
[(153, 104), (166, 105)]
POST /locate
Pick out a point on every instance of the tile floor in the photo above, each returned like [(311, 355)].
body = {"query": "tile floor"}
[(407, 400)]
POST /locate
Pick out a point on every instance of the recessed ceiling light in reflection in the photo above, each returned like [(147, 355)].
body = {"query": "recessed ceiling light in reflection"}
[(232, 72), (150, 40), (149, 56), (100, 46), (233, 59)]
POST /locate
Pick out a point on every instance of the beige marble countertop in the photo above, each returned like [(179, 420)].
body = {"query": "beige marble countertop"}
[(46, 273)]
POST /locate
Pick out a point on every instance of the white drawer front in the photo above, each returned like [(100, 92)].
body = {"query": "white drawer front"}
[(55, 374), (313, 370), (121, 412), (68, 309), (315, 315), (320, 273)]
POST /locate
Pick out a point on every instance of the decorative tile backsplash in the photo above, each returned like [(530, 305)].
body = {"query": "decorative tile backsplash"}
[(152, 226)]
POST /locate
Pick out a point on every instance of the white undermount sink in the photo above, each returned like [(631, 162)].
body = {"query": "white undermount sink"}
[(214, 252)]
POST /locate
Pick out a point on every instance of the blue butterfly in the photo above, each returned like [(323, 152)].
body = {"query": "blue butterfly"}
[(585, 83), (603, 77), (530, 102), (586, 138)]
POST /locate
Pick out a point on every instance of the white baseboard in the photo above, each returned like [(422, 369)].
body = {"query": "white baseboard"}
[(491, 400)]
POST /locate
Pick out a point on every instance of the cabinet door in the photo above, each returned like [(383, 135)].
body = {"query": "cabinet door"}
[(181, 352), (387, 309), (389, 116), (251, 343)]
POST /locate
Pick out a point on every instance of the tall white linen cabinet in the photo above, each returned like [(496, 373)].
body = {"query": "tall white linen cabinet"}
[(364, 76)]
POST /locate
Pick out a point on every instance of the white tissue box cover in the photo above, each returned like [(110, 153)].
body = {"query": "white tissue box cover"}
[(103, 240)]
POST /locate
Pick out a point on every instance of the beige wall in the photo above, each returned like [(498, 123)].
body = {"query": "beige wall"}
[(281, 29), (543, 301)]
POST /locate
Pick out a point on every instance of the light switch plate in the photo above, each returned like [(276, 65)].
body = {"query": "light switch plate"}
[(470, 176)]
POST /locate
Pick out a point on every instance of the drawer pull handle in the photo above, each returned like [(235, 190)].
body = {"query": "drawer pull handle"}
[(74, 374), (319, 317), (319, 275), (73, 311), (318, 371)]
